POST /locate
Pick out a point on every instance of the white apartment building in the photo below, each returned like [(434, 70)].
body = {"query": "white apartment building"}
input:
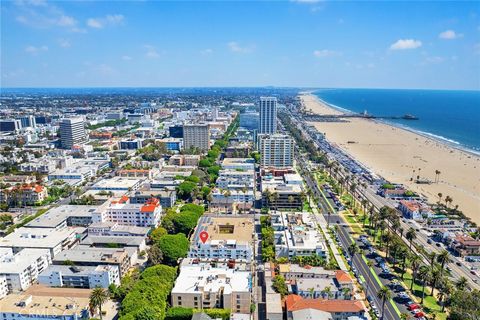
[(296, 234), (87, 277), (40, 238), (197, 136), (234, 179), (276, 151), (229, 238), (232, 196), (268, 115), (204, 287), (72, 131), (25, 307), (131, 214), (239, 164), (21, 270)]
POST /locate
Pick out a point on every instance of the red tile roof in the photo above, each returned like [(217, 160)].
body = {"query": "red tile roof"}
[(343, 277), (295, 302)]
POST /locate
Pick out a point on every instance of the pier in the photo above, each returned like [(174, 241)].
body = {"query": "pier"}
[(343, 117)]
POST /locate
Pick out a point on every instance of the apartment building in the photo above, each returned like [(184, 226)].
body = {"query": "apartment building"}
[(64, 216), (72, 131), (123, 212), (196, 136), (204, 287), (296, 234), (276, 150), (26, 194), (20, 270), (268, 115), (87, 277), (112, 229), (228, 238)]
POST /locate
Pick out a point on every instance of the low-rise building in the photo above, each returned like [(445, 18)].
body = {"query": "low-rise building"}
[(136, 173), (184, 160), (116, 230), (415, 210), (299, 308), (23, 307), (88, 277), (465, 245), (87, 256), (204, 287), (244, 164), (27, 194), (40, 238), (279, 193), (228, 238), (63, 216), (3, 286), (139, 243), (117, 184), (167, 197), (123, 212), (296, 234), (130, 144), (172, 144), (20, 270)]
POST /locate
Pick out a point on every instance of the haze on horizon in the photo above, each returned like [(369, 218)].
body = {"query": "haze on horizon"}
[(303, 43)]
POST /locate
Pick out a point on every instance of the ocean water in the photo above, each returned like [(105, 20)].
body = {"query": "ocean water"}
[(450, 116)]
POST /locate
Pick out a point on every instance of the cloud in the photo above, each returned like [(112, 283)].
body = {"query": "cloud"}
[(325, 53), (151, 51), (236, 47), (449, 35), (35, 50), (41, 14), (64, 43), (108, 20), (126, 58), (406, 44), (206, 52)]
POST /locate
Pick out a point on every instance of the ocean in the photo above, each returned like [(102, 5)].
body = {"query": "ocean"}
[(450, 116)]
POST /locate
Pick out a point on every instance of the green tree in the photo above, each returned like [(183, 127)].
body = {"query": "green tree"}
[(384, 294), (279, 285), (173, 247), (155, 255), (98, 297)]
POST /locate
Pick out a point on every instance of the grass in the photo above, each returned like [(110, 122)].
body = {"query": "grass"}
[(430, 304)]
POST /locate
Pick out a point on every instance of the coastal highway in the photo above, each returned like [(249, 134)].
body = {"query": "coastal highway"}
[(372, 284)]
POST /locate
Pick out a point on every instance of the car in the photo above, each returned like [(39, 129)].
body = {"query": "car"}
[(473, 272), (458, 263), (413, 306), (438, 244), (429, 241)]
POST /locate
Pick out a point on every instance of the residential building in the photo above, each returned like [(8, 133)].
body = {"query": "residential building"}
[(167, 197), (239, 164), (40, 238), (72, 132), (123, 212), (43, 307), (132, 144), (277, 151), (136, 173), (196, 136), (204, 287), (117, 184), (20, 270), (172, 144), (62, 216), (184, 160), (297, 234), (87, 277), (273, 303), (87, 256), (268, 115), (116, 230), (139, 243), (26, 194), (228, 238), (416, 210), (299, 308), (465, 245)]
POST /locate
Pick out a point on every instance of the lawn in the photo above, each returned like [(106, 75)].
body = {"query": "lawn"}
[(429, 303)]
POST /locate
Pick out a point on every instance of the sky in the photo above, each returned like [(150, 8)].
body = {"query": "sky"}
[(303, 43)]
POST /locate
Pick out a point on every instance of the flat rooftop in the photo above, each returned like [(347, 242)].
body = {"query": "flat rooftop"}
[(43, 305), (17, 263), (211, 280), (75, 270), (93, 255), (57, 215), (116, 183), (225, 228), (36, 237)]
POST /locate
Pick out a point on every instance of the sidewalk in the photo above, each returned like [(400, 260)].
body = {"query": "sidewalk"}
[(323, 225)]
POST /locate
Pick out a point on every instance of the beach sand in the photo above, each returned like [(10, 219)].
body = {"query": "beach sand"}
[(393, 153)]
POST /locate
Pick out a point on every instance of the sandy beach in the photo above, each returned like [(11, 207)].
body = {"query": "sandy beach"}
[(394, 152)]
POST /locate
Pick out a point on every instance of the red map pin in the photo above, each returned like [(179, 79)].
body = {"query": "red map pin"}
[(204, 236)]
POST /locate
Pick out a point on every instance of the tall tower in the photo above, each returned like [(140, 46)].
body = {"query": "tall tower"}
[(72, 131), (268, 115)]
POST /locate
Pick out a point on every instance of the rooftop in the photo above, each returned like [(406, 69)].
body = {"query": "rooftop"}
[(225, 228), (43, 305), (36, 237), (57, 215), (295, 302), (10, 263)]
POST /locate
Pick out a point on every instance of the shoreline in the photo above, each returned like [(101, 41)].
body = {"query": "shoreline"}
[(394, 152), (428, 135)]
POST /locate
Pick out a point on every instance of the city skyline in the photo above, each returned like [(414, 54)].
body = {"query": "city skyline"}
[(292, 44)]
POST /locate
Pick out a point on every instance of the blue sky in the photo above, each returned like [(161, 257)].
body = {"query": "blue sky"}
[(227, 43)]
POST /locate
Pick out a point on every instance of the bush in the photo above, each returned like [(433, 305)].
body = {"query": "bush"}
[(193, 207), (173, 247), (185, 221), (179, 313)]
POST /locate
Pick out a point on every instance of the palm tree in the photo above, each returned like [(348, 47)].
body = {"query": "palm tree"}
[(424, 274), (327, 291), (440, 195), (461, 283), (443, 258), (384, 294), (353, 248), (98, 297), (346, 292), (437, 175), (447, 200), (311, 291), (411, 235), (415, 262), (431, 257), (445, 289), (435, 276)]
